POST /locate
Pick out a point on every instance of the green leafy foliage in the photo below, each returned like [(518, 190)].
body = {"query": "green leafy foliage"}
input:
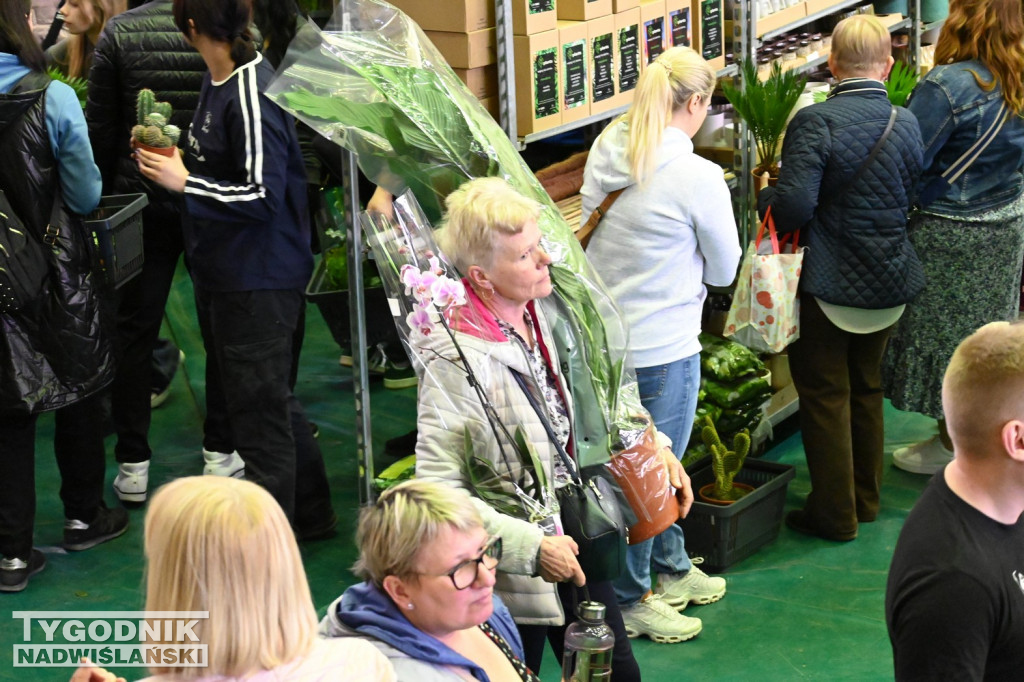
[(79, 85), (900, 83), (494, 487), (765, 107)]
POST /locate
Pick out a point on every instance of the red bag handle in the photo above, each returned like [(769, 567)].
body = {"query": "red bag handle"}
[(777, 246)]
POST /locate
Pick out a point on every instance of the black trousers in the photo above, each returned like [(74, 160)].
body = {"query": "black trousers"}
[(838, 376), (78, 446), (624, 665), (140, 311)]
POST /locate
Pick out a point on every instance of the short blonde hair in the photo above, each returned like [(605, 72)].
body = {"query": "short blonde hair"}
[(861, 44), (478, 211), (403, 521), (983, 387), (665, 86), (224, 546)]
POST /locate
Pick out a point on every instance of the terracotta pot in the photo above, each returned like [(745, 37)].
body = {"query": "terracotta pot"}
[(706, 491), (641, 474), (162, 151)]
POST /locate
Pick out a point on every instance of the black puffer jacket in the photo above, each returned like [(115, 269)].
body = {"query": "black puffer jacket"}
[(140, 48), (53, 352), (858, 253)]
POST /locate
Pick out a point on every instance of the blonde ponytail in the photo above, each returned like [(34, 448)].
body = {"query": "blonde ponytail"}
[(666, 85)]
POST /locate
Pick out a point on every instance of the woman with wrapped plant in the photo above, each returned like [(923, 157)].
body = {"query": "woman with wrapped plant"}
[(246, 238), (969, 229), (84, 21), (466, 437), (670, 230)]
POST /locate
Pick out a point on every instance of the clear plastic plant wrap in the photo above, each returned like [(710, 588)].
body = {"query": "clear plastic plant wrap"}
[(374, 84)]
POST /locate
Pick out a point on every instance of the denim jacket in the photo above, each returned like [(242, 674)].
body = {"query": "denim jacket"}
[(953, 111)]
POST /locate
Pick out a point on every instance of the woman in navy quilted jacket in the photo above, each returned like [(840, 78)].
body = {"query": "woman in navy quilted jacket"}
[(970, 233), (858, 273)]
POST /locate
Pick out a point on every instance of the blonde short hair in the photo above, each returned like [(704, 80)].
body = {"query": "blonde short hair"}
[(403, 521), (665, 86), (983, 387), (478, 211), (224, 546), (861, 44)]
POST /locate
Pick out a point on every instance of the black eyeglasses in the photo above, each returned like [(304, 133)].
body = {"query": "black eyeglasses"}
[(464, 575)]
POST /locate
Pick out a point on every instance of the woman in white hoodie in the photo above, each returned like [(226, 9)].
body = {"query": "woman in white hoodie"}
[(669, 232)]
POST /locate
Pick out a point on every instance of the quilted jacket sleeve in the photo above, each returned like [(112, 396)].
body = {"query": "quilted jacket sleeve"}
[(103, 110), (448, 406), (805, 153)]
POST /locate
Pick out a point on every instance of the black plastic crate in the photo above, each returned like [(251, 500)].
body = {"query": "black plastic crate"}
[(727, 534), (116, 230), (333, 306)]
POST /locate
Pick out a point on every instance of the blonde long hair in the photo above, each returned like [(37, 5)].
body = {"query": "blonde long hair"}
[(666, 85), (224, 546), (80, 48)]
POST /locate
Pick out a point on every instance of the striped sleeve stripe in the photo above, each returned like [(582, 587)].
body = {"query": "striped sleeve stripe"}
[(249, 99)]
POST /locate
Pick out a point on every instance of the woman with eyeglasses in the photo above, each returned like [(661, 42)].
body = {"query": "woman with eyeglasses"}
[(428, 600)]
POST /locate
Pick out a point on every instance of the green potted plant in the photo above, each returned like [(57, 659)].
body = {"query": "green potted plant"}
[(765, 105), (726, 464), (153, 130), (902, 79)]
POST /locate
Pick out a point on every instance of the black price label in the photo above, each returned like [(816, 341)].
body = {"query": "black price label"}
[(545, 82), (604, 83), (654, 38), (629, 57), (538, 6), (680, 27), (711, 29), (574, 61)]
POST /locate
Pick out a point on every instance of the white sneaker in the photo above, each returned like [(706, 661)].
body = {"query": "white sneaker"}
[(221, 464), (926, 457), (659, 621), (132, 481), (696, 586)]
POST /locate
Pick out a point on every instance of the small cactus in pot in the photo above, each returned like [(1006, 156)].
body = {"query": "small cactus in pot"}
[(152, 129)]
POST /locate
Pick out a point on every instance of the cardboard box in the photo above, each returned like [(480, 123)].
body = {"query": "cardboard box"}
[(601, 63), (537, 78), (481, 81), (652, 32), (709, 31), (531, 16), (678, 23), (815, 6), (459, 16), (777, 20), (624, 5), (492, 104), (628, 55), (467, 50), (572, 63), (583, 10)]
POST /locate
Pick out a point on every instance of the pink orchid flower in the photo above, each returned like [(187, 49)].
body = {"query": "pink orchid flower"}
[(448, 292), (419, 321)]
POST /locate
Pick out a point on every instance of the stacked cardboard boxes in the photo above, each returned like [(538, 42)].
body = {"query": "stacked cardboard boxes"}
[(539, 85), (465, 35)]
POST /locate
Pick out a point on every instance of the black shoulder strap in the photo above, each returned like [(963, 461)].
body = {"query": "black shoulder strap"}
[(874, 152), (547, 426)]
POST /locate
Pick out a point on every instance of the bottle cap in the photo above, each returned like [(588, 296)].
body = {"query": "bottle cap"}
[(591, 611)]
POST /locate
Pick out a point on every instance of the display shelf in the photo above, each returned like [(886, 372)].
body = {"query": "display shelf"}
[(808, 18), (815, 62), (930, 26)]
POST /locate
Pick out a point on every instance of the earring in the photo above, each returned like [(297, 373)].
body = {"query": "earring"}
[(489, 293), (410, 606)]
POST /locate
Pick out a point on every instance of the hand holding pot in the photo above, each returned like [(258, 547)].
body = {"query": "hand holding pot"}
[(167, 171), (678, 479)]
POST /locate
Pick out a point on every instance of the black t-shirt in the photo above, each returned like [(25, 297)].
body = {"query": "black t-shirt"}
[(954, 603)]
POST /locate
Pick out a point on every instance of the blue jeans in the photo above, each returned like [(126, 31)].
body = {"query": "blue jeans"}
[(669, 393)]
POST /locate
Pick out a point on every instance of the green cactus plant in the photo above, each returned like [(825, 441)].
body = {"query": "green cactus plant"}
[(153, 128), (724, 462)]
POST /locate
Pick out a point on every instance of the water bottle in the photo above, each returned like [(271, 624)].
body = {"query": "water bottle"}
[(588, 646)]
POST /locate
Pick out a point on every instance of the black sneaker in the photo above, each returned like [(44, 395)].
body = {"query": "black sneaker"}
[(108, 524), (400, 375), (14, 573)]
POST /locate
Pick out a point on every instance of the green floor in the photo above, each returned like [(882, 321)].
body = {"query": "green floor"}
[(799, 609)]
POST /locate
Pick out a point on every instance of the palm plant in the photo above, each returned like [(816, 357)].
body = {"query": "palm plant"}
[(901, 81), (765, 107)]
